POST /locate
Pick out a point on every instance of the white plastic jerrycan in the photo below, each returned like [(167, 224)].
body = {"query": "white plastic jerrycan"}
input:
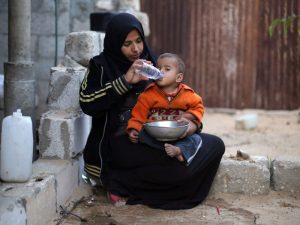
[(16, 148)]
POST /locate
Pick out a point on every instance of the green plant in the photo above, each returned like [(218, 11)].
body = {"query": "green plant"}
[(285, 23)]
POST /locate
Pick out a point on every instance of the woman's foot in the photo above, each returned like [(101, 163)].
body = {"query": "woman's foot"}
[(174, 151)]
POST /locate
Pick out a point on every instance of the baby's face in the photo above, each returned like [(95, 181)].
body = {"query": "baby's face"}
[(169, 67)]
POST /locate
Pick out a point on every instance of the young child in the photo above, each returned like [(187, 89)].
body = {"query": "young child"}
[(168, 99)]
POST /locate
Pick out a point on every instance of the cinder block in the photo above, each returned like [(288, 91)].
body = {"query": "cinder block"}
[(63, 133), (64, 88), (4, 22), (246, 122), (33, 201), (65, 172), (248, 176), (144, 19), (46, 46), (82, 46), (130, 4), (44, 6), (44, 23), (106, 5), (12, 211), (285, 174)]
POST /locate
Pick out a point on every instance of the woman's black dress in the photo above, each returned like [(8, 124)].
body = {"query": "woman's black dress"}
[(151, 177)]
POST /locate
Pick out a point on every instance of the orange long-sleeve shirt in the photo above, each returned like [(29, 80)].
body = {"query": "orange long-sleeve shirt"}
[(153, 105)]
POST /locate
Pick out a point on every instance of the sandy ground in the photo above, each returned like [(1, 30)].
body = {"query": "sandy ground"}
[(276, 208), (277, 133)]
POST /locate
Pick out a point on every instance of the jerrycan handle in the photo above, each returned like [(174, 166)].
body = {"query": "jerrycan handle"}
[(17, 114)]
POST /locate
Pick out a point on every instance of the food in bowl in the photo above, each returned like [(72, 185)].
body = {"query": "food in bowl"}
[(166, 130)]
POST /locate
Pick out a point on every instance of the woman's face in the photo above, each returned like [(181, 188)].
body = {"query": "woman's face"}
[(133, 46)]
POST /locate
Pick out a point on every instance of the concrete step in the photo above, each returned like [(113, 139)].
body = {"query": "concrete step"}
[(36, 202)]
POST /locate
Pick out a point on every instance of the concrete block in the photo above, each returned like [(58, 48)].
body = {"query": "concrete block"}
[(132, 4), (4, 22), (42, 6), (33, 51), (67, 61), (44, 23), (82, 46), (101, 40), (79, 24), (42, 68), (4, 48), (4, 5), (49, 6), (246, 122), (12, 211), (63, 133), (144, 19), (42, 95), (36, 198), (64, 88), (248, 176), (286, 174), (106, 5), (65, 172), (46, 46)]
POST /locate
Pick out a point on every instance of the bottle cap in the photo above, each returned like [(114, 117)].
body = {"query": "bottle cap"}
[(18, 113)]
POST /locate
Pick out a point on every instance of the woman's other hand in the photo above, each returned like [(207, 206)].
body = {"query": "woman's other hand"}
[(133, 135), (132, 76), (191, 127)]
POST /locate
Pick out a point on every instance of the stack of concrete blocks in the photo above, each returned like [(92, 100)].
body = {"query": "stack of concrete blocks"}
[(64, 128)]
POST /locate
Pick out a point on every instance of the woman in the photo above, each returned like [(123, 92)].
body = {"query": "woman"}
[(135, 171)]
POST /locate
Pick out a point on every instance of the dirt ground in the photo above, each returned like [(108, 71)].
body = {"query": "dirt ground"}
[(223, 209), (277, 133)]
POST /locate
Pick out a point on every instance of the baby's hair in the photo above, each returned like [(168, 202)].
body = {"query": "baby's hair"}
[(180, 62)]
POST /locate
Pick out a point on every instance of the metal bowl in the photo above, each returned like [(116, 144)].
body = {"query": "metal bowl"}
[(166, 130)]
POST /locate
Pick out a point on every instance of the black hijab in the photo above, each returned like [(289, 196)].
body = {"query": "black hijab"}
[(112, 58)]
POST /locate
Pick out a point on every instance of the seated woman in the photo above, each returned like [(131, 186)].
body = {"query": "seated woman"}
[(139, 173)]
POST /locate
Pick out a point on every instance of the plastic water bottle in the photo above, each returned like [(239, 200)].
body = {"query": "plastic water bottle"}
[(16, 148), (150, 71)]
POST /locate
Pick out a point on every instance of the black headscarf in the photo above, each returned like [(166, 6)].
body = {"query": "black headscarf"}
[(115, 63)]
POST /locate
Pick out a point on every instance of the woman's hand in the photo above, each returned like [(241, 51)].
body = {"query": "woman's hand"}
[(132, 76), (133, 135), (191, 127)]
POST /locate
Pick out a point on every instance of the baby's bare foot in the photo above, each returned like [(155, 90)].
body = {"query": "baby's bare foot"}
[(180, 158), (174, 151)]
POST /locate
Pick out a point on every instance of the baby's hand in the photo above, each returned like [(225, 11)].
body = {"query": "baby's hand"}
[(191, 127), (133, 135)]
